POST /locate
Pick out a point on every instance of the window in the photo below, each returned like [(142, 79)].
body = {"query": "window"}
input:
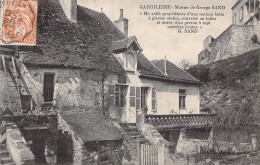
[(252, 7), (182, 98), (241, 13), (247, 8), (130, 61), (154, 99), (111, 95), (120, 95), (117, 95)]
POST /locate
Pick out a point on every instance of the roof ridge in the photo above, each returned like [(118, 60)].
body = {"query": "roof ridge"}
[(159, 69), (183, 71), (90, 9)]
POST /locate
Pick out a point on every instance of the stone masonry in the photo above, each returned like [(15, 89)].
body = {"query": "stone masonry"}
[(234, 41)]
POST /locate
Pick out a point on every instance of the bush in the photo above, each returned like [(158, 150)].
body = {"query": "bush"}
[(200, 72)]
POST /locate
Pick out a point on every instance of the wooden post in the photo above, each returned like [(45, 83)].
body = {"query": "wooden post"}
[(254, 141), (98, 155), (138, 148)]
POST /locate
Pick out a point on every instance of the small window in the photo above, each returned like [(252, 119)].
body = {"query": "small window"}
[(130, 61), (120, 95), (111, 95), (182, 98), (252, 7)]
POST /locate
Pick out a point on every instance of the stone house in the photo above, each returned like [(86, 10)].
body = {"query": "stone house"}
[(87, 92)]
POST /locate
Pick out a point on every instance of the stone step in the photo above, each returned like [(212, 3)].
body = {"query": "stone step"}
[(128, 124), (134, 133), (5, 160), (131, 129)]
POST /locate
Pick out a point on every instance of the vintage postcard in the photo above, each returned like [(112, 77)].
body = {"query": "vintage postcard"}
[(129, 82)]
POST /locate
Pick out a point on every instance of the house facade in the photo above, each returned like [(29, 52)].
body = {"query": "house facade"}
[(245, 12), (150, 90)]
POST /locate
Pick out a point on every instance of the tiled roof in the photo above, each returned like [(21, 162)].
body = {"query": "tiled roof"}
[(173, 72), (61, 42), (79, 44), (145, 67), (122, 45), (91, 126)]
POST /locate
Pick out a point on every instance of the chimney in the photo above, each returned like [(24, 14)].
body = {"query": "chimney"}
[(121, 14), (165, 66), (70, 9), (122, 23)]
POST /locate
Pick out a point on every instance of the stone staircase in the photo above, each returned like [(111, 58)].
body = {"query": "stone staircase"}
[(133, 132)]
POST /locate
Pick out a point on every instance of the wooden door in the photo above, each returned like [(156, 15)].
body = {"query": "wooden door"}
[(48, 87)]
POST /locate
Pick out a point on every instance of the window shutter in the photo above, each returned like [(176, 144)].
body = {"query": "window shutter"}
[(111, 95), (154, 99), (138, 98), (117, 95), (132, 96)]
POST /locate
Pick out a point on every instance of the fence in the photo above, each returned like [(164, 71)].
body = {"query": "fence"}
[(180, 120), (149, 154)]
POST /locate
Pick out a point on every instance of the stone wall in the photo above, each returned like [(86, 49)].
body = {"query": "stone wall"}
[(234, 41), (3, 89), (17, 146), (187, 146), (74, 88), (77, 142), (110, 150)]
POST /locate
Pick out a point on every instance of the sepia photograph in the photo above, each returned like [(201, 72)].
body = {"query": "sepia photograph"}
[(129, 82)]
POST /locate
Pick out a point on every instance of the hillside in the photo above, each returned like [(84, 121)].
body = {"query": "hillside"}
[(231, 89)]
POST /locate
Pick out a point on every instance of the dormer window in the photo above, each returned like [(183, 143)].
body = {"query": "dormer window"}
[(130, 62), (126, 52)]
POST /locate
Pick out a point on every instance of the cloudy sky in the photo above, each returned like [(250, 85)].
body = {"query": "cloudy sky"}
[(156, 40)]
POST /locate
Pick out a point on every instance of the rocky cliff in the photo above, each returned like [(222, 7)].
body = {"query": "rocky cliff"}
[(231, 88)]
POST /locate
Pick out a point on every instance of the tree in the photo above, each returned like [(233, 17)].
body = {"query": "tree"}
[(185, 64)]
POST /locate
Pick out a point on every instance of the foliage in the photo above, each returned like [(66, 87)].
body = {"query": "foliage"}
[(231, 89), (200, 72), (185, 64)]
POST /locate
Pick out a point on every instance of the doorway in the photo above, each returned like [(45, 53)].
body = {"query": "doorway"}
[(48, 87)]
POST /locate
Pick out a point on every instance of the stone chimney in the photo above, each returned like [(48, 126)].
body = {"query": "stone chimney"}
[(70, 9), (122, 23)]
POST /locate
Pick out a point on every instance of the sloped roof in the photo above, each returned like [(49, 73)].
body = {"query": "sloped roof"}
[(146, 68), (124, 44), (61, 42), (173, 72), (91, 126), (79, 44)]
